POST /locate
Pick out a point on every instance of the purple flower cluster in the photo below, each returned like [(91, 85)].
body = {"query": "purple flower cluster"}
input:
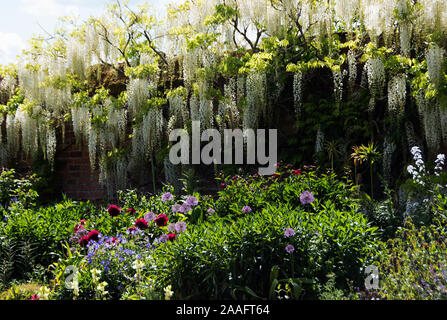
[(167, 197), (306, 197), (187, 205), (246, 209)]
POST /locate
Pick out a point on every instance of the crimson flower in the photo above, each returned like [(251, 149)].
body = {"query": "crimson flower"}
[(93, 235), (35, 297), (84, 241), (161, 220), (131, 210), (114, 210), (141, 224), (296, 172)]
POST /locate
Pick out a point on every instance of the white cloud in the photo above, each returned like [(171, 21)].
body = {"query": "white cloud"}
[(11, 44), (48, 8)]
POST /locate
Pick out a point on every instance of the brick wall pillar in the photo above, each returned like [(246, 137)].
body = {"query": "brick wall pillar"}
[(72, 169)]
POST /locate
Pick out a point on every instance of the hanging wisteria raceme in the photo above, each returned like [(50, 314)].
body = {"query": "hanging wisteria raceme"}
[(138, 91), (434, 57), (81, 122), (178, 110), (51, 144), (319, 140), (405, 26), (8, 84), (12, 135), (194, 107), (152, 130), (92, 145), (375, 71), (230, 109), (298, 91), (389, 147), (76, 56), (29, 131), (352, 67), (337, 76), (397, 92), (430, 121), (256, 84)]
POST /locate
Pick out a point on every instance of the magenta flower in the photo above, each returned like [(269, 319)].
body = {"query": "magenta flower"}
[(114, 210), (307, 197), (290, 248), (289, 232), (167, 197), (246, 209)]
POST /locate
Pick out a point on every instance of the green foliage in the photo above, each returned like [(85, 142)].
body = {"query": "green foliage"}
[(20, 292), (257, 192), (18, 192), (413, 266), (234, 259)]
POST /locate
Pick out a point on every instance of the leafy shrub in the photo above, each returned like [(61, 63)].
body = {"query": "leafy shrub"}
[(17, 191), (382, 214), (414, 264), (228, 259), (284, 188), (20, 292)]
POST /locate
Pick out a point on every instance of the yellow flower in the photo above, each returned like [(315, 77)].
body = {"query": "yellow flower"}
[(44, 293), (168, 292), (95, 275), (101, 288)]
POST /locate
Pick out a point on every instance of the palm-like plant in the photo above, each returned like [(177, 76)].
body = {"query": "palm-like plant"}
[(357, 160), (332, 148), (369, 154)]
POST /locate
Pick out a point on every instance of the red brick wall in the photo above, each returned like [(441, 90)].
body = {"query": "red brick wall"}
[(72, 169)]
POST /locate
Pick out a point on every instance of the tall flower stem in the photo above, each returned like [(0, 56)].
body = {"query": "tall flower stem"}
[(153, 171)]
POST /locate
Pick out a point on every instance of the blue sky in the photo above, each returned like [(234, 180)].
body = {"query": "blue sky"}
[(20, 19)]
